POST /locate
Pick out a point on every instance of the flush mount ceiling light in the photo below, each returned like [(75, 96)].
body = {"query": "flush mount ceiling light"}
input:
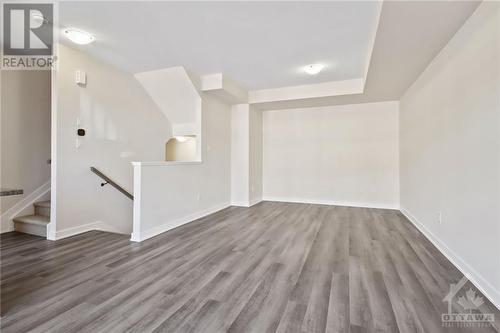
[(181, 138), (313, 69), (79, 36)]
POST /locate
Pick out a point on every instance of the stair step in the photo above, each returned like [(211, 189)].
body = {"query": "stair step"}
[(33, 219), (45, 204), (42, 208), (32, 224)]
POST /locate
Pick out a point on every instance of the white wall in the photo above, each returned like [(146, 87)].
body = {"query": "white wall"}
[(450, 149), (25, 135), (169, 194), (345, 155), (123, 124)]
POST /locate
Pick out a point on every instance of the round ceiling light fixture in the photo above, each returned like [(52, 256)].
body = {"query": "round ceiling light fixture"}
[(79, 36), (313, 69)]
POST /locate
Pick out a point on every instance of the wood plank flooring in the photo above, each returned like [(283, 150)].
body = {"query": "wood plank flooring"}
[(275, 267)]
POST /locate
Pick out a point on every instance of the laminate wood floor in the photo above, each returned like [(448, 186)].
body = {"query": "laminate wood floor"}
[(275, 267)]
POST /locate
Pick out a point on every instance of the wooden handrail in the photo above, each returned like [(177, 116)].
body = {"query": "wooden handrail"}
[(108, 180)]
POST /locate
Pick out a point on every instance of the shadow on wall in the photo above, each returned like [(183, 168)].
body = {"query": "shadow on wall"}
[(181, 148)]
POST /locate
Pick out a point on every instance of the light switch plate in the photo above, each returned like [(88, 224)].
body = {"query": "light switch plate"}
[(80, 78)]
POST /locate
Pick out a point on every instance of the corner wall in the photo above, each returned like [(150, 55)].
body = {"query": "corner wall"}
[(255, 156), (240, 150), (246, 155), (450, 150)]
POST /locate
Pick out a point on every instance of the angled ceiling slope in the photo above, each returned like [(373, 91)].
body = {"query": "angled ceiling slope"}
[(176, 96)]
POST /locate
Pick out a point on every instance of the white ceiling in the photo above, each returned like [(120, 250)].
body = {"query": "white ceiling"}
[(259, 45), (410, 34)]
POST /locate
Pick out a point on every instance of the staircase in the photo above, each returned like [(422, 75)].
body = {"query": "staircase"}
[(35, 224)]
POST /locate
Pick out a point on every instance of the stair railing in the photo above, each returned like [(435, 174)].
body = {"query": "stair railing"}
[(109, 181)]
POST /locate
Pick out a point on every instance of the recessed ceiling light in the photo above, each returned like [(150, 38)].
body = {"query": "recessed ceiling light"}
[(313, 69), (79, 36)]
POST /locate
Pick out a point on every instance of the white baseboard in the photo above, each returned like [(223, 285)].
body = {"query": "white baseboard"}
[(332, 203), (240, 204), (68, 232), (472, 275), (97, 225), (254, 201), (139, 237), (246, 203), (7, 217)]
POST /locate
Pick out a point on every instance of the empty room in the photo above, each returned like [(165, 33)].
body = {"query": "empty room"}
[(258, 166)]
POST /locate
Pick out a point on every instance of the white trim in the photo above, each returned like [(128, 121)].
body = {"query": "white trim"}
[(54, 94), (136, 237), (249, 203), (60, 234), (143, 235), (97, 225), (333, 203), (240, 203), (136, 222), (474, 277), (255, 201), (6, 218)]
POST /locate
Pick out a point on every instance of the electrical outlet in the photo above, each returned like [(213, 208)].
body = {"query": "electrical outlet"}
[(439, 218), (198, 197)]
